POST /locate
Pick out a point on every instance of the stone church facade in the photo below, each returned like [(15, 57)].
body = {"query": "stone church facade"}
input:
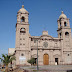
[(51, 50)]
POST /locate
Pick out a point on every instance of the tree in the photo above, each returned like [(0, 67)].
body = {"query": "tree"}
[(31, 61), (6, 59)]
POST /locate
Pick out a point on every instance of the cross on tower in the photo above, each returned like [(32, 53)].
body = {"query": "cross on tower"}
[(61, 9)]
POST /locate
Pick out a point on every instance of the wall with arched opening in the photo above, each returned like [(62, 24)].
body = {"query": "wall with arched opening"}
[(22, 30), (22, 19), (65, 24), (67, 34)]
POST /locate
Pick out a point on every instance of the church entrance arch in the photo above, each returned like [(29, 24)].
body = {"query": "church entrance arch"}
[(45, 59)]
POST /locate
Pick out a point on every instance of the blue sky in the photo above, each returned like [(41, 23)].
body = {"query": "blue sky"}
[(43, 15)]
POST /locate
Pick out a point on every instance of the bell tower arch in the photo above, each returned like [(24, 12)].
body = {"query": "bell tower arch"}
[(22, 37), (22, 16)]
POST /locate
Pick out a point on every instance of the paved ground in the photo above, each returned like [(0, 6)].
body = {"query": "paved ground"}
[(50, 68)]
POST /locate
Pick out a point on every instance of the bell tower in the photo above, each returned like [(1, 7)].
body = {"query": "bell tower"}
[(64, 30), (22, 16), (63, 26), (22, 37), (64, 33)]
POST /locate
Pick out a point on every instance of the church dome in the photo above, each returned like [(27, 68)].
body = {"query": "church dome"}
[(62, 15), (23, 10)]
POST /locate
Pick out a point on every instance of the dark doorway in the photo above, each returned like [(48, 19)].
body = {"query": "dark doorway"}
[(35, 61), (56, 60)]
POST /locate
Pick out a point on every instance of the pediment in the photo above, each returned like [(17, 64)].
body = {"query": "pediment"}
[(46, 37)]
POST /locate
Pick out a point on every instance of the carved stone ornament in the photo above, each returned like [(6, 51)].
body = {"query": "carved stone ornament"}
[(45, 44)]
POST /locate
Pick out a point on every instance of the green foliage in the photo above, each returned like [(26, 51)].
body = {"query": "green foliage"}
[(31, 61), (6, 59)]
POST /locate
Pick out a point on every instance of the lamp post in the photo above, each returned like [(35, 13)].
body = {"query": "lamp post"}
[(37, 55)]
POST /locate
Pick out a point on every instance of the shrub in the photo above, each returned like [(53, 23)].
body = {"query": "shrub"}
[(31, 61)]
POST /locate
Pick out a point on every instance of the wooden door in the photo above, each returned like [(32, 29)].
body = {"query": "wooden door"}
[(46, 59)]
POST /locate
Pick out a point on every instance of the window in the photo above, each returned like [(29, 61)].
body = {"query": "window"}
[(65, 24), (68, 54), (66, 34), (20, 44), (22, 30), (31, 39), (23, 44), (60, 35), (22, 54), (56, 60), (23, 38), (20, 38), (60, 24), (42, 39), (22, 19)]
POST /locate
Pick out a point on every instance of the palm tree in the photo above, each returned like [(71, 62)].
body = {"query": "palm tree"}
[(6, 59)]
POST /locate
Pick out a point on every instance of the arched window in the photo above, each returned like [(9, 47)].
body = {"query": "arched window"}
[(66, 34), (22, 19), (22, 30), (65, 24)]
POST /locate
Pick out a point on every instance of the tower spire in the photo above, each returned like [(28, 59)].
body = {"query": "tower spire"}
[(22, 6), (62, 12)]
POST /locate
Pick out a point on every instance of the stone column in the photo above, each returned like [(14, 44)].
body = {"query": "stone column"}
[(51, 57)]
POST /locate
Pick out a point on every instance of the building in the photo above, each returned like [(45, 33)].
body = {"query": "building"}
[(51, 50)]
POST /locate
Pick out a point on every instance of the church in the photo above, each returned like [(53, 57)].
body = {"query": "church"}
[(50, 50)]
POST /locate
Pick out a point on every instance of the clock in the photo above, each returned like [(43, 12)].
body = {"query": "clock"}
[(45, 44)]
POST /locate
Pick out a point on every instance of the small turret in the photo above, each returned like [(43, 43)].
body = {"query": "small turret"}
[(45, 32), (23, 10), (62, 15), (22, 16)]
